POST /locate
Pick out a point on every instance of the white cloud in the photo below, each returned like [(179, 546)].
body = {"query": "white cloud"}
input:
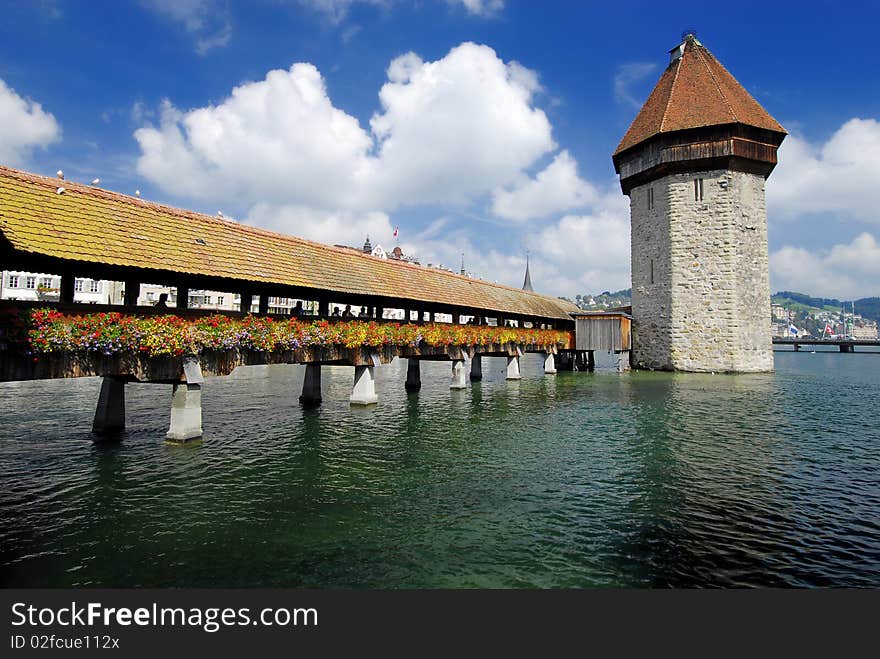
[(480, 7), (207, 20), (586, 253), (456, 128), (850, 270), (840, 177), (218, 39), (24, 126), (449, 131), (337, 10), (628, 75), (556, 189), (279, 140), (452, 131), (332, 227)]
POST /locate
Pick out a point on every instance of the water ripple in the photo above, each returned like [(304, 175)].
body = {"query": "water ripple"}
[(573, 481)]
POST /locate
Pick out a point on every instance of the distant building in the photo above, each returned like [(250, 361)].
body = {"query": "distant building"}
[(866, 330), (42, 287), (777, 311)]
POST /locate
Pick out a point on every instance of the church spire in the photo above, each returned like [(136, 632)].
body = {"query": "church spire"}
[(527, 282)]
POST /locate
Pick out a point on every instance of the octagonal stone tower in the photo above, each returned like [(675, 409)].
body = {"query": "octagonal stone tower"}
[(693, 164)]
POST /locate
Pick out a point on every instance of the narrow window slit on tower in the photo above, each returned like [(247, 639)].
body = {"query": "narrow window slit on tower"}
[(650, 199), (698, 189), (652, 271)]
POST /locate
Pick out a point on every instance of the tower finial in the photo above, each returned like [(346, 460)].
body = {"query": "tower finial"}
[(527, 282)]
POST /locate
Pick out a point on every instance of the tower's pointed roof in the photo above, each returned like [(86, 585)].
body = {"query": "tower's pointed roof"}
[(527, 283), (695, 91)]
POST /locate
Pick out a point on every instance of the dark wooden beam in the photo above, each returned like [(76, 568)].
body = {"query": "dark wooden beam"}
[(183, 297), (132, 292), (67, 287)]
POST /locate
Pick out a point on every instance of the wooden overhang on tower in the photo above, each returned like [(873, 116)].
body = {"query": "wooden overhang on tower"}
[(698, 117)]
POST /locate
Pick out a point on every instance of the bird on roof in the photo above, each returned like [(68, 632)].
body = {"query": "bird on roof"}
[(219, 213), (96, 181), (137, 193), (60, 174), (60, 190)]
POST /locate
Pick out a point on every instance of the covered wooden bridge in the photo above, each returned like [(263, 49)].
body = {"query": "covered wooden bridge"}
[(49, 225)]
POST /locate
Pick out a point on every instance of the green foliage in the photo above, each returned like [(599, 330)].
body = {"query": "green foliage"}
[(605, 300), (867, 307)]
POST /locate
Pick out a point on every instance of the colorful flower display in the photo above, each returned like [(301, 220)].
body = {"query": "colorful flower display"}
[(114, 333)]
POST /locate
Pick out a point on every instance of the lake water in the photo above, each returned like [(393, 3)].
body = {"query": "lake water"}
[(569, 481)]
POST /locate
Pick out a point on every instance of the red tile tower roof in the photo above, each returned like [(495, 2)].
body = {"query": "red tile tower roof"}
[(695, 91)]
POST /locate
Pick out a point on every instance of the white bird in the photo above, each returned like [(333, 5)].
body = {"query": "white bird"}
[(60, 190), (96, 181), (137, 193), (219, 213), (60, 174)]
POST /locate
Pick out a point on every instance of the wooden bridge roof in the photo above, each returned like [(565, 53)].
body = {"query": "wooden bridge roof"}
[(86, 224)]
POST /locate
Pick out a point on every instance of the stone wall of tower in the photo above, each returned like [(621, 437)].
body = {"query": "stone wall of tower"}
[(708, 305), (651, 276)]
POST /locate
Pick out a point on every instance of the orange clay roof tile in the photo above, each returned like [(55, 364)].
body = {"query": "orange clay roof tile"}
[(695, 91), (91, 224)]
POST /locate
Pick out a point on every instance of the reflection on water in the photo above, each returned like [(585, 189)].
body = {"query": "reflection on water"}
[(577, 480)]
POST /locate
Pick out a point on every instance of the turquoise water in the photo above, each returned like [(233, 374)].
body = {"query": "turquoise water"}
[(572, 481)]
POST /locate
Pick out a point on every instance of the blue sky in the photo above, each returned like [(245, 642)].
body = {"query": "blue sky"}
[(482, 127)]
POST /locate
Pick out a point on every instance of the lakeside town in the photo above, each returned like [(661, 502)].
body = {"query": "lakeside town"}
[(791, 314)]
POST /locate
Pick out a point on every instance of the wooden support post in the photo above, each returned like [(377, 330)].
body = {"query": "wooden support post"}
[(132, 292), (324, 308), (247, 300), (476, 368), (67, 288), (110, 412), (565, 361), (456, 319), (413, 375), (591, 361), (264, 303), (182, 297), (380, 311), (311, 391)]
